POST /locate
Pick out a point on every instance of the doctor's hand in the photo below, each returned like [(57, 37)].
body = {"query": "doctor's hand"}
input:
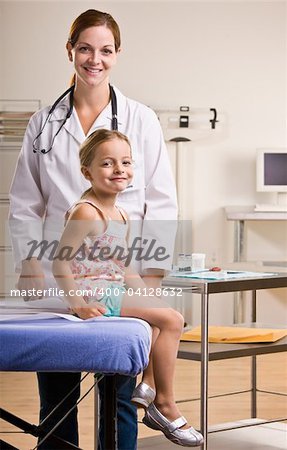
[(94, 309), (31, 279)]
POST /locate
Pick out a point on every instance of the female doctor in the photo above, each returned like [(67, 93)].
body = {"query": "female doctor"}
[(48, 181)]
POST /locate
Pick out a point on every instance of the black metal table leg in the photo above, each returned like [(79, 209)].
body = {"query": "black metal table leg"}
[(110, 414)]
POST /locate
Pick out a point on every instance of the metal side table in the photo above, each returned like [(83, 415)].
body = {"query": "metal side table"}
[(205, 352)]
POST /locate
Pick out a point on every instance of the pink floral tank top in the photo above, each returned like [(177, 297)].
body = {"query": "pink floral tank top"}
[(98, 263)]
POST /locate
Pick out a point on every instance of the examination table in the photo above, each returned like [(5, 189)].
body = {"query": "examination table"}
[(47, 342)]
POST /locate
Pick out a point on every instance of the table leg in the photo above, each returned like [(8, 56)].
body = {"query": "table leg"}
[(238, 240), (204, 368), (238, 303), (96, 416), (254, 387), (253, 363), (110, 413), (238, 307), (254, 307)]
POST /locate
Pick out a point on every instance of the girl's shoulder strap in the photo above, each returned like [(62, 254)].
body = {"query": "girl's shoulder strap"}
[(123, 214), (83, 201)]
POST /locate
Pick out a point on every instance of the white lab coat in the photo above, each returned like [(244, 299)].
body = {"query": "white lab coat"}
[(45, 186)]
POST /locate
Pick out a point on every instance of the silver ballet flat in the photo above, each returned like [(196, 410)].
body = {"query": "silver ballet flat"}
[(186, 438), (143, 395)]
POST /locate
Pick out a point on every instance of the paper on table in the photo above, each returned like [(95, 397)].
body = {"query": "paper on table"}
[(235, 335), (10, 317), (27, 307), (221, 275), (17, 309)]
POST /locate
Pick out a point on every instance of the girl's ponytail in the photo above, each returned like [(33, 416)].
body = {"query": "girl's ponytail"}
[(73, 80), (88, 191)]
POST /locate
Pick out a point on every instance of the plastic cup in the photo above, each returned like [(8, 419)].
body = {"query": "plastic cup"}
[(197, 262)]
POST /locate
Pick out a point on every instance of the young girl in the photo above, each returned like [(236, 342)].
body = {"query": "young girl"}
[(95, 229)]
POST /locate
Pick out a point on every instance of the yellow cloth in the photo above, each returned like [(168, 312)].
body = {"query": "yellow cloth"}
[(235, 335)]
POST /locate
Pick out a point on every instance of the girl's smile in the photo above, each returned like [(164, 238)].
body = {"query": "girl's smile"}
[(110, 171)]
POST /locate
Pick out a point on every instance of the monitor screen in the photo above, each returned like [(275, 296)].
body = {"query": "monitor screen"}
[(271, 170), (275, 169)]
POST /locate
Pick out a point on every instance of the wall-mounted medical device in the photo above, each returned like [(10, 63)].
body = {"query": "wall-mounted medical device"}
[(186, 124)]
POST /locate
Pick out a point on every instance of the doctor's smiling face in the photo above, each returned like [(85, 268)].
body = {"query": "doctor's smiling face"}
[(94, 54)]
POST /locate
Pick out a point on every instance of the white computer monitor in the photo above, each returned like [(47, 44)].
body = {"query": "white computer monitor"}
[(271, 172)]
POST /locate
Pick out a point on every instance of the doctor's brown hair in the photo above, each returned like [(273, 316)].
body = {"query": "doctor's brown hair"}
[(94, 18)]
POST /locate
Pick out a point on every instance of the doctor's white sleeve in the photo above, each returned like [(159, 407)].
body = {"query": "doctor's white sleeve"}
[(160, 220), (27, 206)]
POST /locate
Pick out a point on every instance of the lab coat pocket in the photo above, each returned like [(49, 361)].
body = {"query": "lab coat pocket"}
[(132, 199), (135, 192), (134, 195)]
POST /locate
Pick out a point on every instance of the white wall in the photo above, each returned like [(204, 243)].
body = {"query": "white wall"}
[(230, 55)]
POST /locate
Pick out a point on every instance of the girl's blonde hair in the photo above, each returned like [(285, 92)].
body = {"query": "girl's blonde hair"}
[(89, 147)]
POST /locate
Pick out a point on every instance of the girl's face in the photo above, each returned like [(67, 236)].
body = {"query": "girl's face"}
[(111, 169), (93, 55)]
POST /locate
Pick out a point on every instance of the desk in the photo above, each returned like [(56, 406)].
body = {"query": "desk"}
[(203, 353), (240, 214)]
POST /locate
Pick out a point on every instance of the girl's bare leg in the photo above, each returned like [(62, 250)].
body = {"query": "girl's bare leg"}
[(170, 324), (147, 376)]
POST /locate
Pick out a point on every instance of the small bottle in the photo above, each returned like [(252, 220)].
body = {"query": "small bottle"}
[(181, 262)]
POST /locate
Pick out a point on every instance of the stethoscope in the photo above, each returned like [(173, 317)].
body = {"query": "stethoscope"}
[(70, 91)]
